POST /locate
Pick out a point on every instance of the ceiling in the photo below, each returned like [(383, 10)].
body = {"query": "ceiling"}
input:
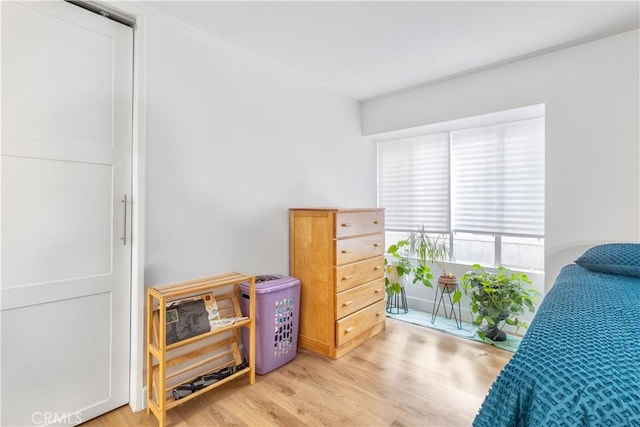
[(364, 49)]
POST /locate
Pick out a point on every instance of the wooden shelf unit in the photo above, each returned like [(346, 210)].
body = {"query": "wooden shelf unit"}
[(188, 359)]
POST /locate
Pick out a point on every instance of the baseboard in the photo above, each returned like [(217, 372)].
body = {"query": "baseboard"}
[(142, 401)]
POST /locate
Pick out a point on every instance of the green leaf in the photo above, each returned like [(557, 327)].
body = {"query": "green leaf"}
[(529, 305), (482, 335), (396, 288), (490, 322), (457, 296), (478, 320)]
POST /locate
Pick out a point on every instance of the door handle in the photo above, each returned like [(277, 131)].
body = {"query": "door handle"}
[(124, 231)]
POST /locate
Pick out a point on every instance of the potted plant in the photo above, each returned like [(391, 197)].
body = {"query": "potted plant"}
[(397, 267), (435, 251), (498, 299)]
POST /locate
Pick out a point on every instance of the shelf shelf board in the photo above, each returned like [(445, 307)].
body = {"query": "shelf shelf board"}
[(170, 403)]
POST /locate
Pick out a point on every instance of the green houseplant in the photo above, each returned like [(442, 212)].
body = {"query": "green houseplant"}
[(498, 299), (399, 266), (435, 251)]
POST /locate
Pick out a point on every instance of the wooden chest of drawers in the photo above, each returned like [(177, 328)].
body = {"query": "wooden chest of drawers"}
[(338, 255)]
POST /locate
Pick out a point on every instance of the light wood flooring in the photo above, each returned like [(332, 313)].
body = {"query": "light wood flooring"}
[(405, 376)]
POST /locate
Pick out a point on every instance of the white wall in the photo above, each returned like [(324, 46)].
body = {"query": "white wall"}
[(231, 143), (591, 93)]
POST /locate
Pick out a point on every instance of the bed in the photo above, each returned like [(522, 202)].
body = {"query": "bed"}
[(579, 362)]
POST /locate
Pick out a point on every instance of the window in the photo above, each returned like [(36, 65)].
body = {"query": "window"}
[(415, 177), (481, 185)]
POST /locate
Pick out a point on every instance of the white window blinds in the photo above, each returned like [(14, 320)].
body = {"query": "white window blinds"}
[(413, 182), (498, 179)]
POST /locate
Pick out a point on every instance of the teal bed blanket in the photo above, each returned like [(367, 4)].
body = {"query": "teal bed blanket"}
[(579, 362)]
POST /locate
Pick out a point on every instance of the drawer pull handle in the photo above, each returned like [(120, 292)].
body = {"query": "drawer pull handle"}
[(378, 314), (378, 267), (347, 277), (349, 329), (376, 245), (376, 222), (347, 303), (346, 224), (346, 251), (377, 291)]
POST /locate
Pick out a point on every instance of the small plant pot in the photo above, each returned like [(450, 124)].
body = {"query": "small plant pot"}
[(494, 334), (448, 284)]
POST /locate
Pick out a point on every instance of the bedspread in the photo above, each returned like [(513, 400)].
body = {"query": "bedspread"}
[(579, 362)]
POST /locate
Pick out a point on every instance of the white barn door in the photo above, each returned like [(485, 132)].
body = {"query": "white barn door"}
[(65, 227)]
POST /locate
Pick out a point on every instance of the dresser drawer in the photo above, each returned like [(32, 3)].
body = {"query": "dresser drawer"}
[(355, 223), (350, 275), (359, 248), (351, 326), (354, 299)]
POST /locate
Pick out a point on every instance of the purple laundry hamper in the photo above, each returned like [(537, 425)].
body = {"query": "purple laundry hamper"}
[(277, 308)]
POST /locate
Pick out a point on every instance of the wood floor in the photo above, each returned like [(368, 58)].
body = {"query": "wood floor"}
[(406, 376)]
